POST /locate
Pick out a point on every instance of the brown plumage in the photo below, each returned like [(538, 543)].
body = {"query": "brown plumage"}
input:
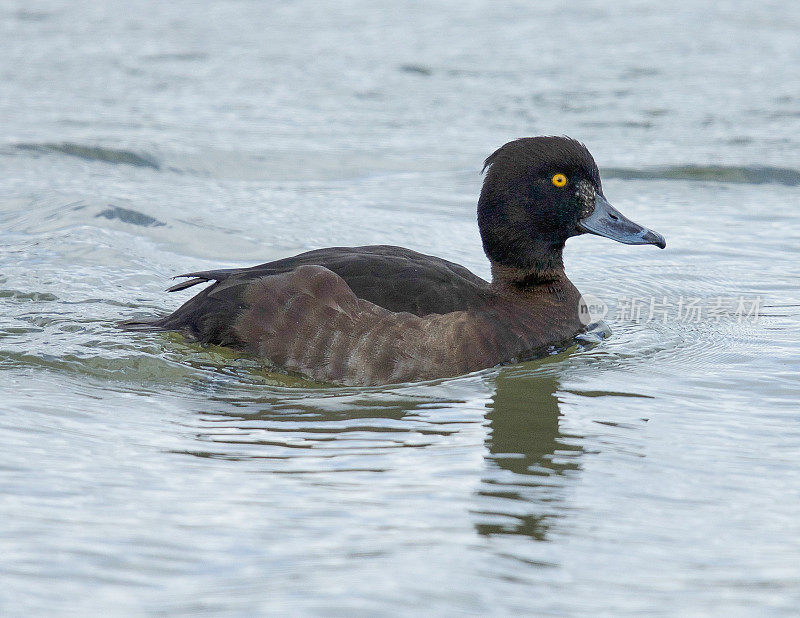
[(381, 314)]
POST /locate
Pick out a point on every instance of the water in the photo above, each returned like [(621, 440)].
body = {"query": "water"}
[(653, 473)]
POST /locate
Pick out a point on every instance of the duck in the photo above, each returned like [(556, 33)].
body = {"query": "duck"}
[(380, 314)]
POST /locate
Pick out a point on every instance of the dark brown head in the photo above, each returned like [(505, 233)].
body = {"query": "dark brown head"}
[(540, 191)]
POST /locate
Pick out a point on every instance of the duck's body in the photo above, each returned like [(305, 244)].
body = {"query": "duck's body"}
[(373, 315), (381, 314)]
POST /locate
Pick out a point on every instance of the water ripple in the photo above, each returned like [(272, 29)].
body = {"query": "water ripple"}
[(710, 173), (95, 153)]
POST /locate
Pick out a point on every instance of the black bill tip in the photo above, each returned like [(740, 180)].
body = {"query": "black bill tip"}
[(654, 238)]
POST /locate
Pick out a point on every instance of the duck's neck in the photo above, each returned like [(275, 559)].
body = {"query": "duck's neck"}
[(542, 277)]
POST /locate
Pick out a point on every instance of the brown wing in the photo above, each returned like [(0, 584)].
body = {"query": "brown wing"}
[(309, 321)]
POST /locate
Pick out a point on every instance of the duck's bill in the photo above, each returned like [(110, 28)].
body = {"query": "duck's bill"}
[(607, 221)]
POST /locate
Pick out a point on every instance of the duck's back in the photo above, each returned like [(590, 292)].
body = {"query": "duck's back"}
[(394, 278)]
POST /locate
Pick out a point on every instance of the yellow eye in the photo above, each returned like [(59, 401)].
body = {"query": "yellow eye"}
[(559, 180)]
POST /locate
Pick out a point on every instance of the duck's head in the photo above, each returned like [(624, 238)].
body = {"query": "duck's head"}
[(540, 191)]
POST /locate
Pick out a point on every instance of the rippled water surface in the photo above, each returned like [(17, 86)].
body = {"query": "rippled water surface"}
[(656, 472)]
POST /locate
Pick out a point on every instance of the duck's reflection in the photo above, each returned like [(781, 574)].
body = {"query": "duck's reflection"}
[(529, 457)]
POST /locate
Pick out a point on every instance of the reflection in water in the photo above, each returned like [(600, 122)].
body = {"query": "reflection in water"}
[(528, 456), (528, 460), (332, 429)]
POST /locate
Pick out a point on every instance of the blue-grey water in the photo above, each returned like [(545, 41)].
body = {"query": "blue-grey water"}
[(653, 473)]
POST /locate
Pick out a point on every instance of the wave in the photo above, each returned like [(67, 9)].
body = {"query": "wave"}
[(711, 173), (127, 215), (95, 153)]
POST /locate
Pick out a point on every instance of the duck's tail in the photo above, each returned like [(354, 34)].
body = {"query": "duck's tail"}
[(156, 324), (168, 322)]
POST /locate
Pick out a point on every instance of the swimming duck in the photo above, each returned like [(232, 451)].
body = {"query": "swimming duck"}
[(382, 314)]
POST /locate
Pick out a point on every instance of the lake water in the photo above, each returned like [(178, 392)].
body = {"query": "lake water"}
[(653, 473)]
